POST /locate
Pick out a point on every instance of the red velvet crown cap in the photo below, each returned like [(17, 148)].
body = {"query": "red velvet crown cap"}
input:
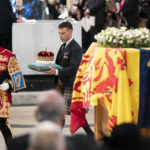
[(51, 53), (43, 53)]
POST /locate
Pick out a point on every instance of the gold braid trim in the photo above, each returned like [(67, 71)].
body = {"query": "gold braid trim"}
[(11, 83)]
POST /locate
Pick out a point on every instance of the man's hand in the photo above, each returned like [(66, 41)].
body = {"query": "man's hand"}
[(52, 71), (4, 86), (87, 13), (20, 21), (122, 17)]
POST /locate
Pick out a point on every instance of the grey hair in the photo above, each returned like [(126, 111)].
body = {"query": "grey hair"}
[(50, 106), (47, 136)]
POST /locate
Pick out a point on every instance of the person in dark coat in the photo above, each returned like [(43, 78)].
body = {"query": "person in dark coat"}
[(145, 4), (129, 10), (96, 8), (69, 57), (7, 17), (52, 8)]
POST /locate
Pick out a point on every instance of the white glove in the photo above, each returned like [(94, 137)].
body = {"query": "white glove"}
[(4, 86)]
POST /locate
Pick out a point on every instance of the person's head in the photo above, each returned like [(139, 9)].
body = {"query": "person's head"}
[(51, 107), (46, 136), (65, 31), (127, 136)]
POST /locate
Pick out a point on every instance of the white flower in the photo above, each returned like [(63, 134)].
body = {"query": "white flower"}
[(121, 42), (110, 39), (115, 41), (112, 36)]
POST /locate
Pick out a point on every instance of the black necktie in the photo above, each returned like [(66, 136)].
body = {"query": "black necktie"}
[(63, 47)]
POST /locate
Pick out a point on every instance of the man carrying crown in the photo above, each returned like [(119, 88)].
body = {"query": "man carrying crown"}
[(11, 79)]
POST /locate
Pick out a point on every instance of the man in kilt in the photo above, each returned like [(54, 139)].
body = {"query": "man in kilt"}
[(69, 57)]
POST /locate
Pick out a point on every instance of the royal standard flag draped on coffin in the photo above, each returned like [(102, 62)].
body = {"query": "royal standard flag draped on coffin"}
[(116, 78)]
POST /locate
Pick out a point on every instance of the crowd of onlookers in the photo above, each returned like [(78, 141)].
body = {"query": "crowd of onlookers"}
[(130, 13), (112, 8)]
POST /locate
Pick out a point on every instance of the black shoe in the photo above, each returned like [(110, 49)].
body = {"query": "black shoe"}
[(88, 130)]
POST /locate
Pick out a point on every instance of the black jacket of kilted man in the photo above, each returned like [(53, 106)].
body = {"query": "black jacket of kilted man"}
[(69, 59)]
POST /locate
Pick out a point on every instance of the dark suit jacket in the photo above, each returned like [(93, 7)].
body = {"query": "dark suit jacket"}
[(130, 11), (19, 143), (63, 2), (69, 59), (97, 9), (7, 17)]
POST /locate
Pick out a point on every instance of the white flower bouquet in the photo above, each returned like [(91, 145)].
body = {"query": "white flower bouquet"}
[(123, 37)]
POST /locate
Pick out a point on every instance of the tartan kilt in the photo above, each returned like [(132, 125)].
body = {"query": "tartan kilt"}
[(67, 93)]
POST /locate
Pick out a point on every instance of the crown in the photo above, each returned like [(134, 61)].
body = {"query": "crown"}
[(45, 55)]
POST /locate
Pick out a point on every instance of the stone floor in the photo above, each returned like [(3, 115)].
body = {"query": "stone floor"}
[(23, 120)]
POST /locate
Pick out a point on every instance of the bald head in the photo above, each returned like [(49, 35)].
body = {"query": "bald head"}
[(50, 106)]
